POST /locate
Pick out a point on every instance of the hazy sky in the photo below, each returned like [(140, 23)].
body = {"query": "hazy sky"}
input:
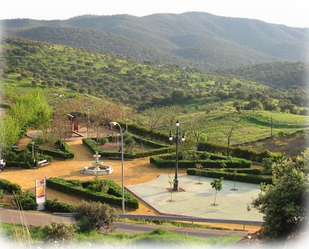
[(291, 13)]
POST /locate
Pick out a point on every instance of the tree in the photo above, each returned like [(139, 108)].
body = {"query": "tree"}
[(9, 127), (284, 203), (231, 125), (95, 216), (199, 168), (170, 115), (254, 105), (217, 185), (151, 118), (171, 182)]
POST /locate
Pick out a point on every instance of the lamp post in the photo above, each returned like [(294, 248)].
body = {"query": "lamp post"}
[(32, 143), (122, 165), (183, 138)]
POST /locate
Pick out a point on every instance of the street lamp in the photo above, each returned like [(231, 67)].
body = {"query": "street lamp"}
[(183, 138), (32, 143), (122, 164)]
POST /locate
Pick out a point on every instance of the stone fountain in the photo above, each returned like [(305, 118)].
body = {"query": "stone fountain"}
[(97, 167)]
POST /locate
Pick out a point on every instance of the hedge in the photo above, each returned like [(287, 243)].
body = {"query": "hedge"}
[(246, 153), (7, 185), (145, 132), (64, 152), (113, 195), (160, 149), (14, 164), (240, 177), (58, 206), (3, 105), (215, 161)]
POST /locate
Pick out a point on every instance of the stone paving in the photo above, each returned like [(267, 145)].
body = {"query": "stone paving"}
[(196, 199)]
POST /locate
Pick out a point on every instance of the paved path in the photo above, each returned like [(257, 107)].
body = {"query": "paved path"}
[(196, 200), (41, 218)]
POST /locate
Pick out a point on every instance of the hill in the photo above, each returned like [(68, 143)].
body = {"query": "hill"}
[(195, 39), (38, 64), (276, 74)]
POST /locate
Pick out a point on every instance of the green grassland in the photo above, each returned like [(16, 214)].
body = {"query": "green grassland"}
[(216, 119), (15, 233)]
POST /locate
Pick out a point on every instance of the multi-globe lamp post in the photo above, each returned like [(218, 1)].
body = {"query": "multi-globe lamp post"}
[(178, 139), (122, 164)]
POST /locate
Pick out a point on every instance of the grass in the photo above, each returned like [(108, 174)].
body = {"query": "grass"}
[(216, 118), (14, 233)]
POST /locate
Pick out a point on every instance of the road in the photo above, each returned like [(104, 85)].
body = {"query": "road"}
[(41, 218)]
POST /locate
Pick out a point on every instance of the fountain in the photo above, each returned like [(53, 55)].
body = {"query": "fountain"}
[(97, 167)]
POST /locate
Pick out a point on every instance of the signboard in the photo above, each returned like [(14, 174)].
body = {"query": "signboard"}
[(40, 193)]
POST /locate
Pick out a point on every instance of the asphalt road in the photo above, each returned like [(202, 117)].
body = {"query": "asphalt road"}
[(41, 218)]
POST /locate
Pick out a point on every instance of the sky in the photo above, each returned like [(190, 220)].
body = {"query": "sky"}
[(290, 13)]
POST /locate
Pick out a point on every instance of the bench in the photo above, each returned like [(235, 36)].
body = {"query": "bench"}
[(43, 163)]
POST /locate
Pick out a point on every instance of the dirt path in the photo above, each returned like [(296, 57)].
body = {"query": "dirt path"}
[(136, 171)]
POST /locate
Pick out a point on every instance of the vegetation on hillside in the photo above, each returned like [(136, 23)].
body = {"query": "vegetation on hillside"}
[(188, 39)]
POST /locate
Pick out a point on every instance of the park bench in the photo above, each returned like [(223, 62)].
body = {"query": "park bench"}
[(43, 163)]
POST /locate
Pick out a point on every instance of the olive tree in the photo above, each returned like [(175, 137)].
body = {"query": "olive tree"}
[(284, 203)]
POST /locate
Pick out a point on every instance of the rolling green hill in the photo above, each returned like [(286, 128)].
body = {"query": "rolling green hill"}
[(40, 64), (193, 39), (277, 74)]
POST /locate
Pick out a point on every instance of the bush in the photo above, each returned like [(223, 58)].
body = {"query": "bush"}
[(59, 231), (94, 216), (7, 185), (1, 194), (25, 200), (57, 206), (213, 161), (22, 158), (240, 177), (64, 152), (160, 149), (79, 188), (245, 153)]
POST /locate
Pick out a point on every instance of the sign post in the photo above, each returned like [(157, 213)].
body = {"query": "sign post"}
[(40, 193)]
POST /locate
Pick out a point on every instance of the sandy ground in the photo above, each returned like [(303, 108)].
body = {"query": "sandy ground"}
[(136, 171)]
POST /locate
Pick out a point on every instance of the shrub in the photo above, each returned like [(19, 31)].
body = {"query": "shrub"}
[(1, 194), (245, 153), (25, 200), (59, 231), (57, 206), (79, 188), (213, 161), (7, 185), (64, 152), (159, 149), (94, 216), (240, 177)]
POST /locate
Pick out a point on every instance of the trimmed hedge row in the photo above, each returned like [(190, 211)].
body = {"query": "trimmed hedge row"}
[(215, 161), (245, 171), (14, 164), (7, 185), (240, 177), (144, 132), (246, 153), (64, 152), (109, 197), (91, 144), (58, 206)]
